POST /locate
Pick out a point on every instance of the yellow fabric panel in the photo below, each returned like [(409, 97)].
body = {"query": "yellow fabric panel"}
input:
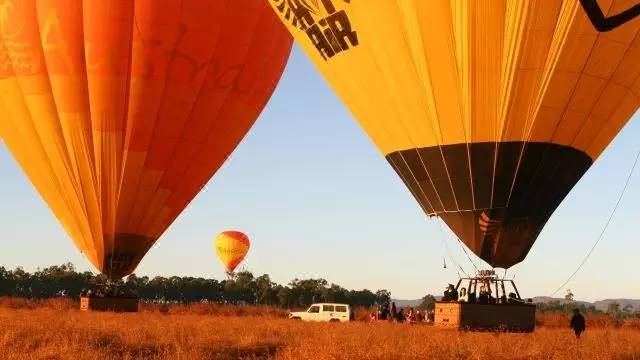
[(585, 88), (438, 72)]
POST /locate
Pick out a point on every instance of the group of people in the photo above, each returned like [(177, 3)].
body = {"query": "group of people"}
[(409, 315), (107, 292), (484, 296)]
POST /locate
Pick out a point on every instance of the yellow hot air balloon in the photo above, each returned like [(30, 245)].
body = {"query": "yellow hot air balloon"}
[(231, 247), (489, 110), (119, 111)]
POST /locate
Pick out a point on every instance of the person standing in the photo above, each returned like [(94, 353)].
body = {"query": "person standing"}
[(463, 297), (393, 312), (577, 323)]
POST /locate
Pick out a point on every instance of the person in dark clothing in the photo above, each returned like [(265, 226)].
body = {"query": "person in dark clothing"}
[(577, 323), (513, 299), (483, 298), (431, 316), (394, 312), (450, 294), (472, 297), (384, 311)]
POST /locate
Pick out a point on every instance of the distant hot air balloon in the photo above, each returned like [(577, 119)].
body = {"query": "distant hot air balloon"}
[(231, 247), (490, 111), (119, 111)]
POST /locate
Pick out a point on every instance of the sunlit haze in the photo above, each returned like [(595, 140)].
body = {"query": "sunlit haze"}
[(318, 200)]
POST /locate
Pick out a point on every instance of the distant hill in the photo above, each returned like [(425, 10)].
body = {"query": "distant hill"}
[(601, 305), (405, 303), (604, 304), (547, 299), (410, 303)]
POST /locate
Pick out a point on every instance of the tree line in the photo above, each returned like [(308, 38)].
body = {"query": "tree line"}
[(240, 288)]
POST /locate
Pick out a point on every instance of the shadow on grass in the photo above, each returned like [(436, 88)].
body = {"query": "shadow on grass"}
[(260, 351), (630, 356), (113, 347)]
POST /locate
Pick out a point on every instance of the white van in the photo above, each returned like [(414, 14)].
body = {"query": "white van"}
[(324, 312)]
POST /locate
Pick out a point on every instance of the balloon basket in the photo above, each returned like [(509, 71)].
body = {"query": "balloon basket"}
[(113, 304), (486, 317), (491, 304)]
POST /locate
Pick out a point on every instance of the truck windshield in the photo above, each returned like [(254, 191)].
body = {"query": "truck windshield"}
[(314, 309)]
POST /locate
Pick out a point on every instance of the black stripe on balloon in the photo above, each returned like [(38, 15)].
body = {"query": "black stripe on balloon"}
[(501, 218), (604, 24)]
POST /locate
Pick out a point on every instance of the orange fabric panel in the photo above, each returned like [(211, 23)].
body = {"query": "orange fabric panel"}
[(119, 111)]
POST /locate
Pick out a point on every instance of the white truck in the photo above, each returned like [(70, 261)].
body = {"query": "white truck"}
[(329, 312)]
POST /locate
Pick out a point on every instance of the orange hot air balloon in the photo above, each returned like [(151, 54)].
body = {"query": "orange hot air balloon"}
[(231, 247), (119, 111), (490, 111)]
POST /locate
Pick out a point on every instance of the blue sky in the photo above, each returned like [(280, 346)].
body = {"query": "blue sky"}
[(318, 200)]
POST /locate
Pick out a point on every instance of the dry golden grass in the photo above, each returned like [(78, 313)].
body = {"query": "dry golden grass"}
[(43, 332)]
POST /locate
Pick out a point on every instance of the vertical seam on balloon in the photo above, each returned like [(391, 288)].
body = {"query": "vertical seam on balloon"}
[(424, 166), (270, 88), (125, 117), (402, 177), (462, 114), (543, 82), (92, 165), (581, 74), (89, 151), (422, 76), (65, 155), (188, 117), (416, 181), (61, 187), (435, 109), (465, 114), (126, 101), (136, 194), (57, 188), (214, 47), (186, 120), (524, 29)]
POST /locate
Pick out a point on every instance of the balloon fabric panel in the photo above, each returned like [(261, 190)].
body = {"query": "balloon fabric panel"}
[(119, 111), (489, 111)]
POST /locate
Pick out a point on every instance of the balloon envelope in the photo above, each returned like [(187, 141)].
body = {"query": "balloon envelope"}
[(490, 111), (231, 247), (119, 111)]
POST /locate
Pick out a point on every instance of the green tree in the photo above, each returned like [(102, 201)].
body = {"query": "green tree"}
[(569, 296), (613, 308), (304, 292), (383, 297), (428, 302)]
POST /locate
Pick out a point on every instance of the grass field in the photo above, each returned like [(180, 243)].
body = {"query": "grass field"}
[(59, 331)]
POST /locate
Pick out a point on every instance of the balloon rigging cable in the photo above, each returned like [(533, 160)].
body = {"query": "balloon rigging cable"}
[(624, 189), (451, 258)]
